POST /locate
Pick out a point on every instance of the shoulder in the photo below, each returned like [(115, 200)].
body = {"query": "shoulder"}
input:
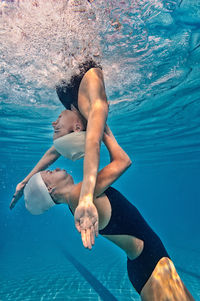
[(94, 74)]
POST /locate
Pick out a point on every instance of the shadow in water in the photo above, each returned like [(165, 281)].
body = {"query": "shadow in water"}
[(101, 290)]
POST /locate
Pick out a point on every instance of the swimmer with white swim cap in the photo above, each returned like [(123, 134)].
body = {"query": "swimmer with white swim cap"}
[(150, 269), (69, 141)]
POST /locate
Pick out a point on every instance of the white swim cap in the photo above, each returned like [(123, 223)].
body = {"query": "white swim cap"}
[(71, 146), (36, 195)]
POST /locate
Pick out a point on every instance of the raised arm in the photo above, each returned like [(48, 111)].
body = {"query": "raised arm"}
[(49, 158)]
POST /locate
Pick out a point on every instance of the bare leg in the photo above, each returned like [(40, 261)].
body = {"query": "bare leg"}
[(165, 284)]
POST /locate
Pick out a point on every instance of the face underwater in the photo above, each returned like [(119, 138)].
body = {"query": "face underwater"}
[(63, 125), (54, 177), (67, 122)]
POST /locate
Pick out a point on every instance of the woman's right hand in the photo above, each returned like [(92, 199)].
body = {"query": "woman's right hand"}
[(18, 194)]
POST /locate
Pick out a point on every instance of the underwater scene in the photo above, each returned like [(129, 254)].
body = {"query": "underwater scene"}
[(149, 51)]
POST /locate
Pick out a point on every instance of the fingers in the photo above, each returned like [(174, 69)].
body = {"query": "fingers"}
[(83, 237), (92, 236), (17, 195), (96, 228), (13, 202), (87, 237), (86, 222), (77, 225)]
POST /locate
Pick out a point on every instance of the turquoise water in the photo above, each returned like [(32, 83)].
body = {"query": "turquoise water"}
[(151, 68)]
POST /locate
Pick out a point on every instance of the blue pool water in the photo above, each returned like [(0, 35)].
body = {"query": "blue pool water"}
[(151, 66)]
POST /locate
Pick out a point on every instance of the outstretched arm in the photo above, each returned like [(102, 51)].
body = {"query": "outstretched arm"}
[(96, 119), (119, 162), (95, 112), (49, 158)]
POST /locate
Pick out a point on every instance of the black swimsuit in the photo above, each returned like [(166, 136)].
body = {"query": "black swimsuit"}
[(68, 92), (126, 220)]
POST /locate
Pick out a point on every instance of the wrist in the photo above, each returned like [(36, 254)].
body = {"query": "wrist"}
[(24, 181), (86, 199)]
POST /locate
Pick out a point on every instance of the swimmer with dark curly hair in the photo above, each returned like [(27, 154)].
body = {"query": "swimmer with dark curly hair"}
[(150, 269)]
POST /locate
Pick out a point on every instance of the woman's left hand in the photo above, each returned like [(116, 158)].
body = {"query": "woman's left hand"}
[(86, 222)]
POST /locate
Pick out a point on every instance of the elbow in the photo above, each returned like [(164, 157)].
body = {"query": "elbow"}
[(53, 153), (124, 163), (128, 162)]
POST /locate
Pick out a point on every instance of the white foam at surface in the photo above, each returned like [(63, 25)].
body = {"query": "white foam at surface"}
[(43, 42)]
